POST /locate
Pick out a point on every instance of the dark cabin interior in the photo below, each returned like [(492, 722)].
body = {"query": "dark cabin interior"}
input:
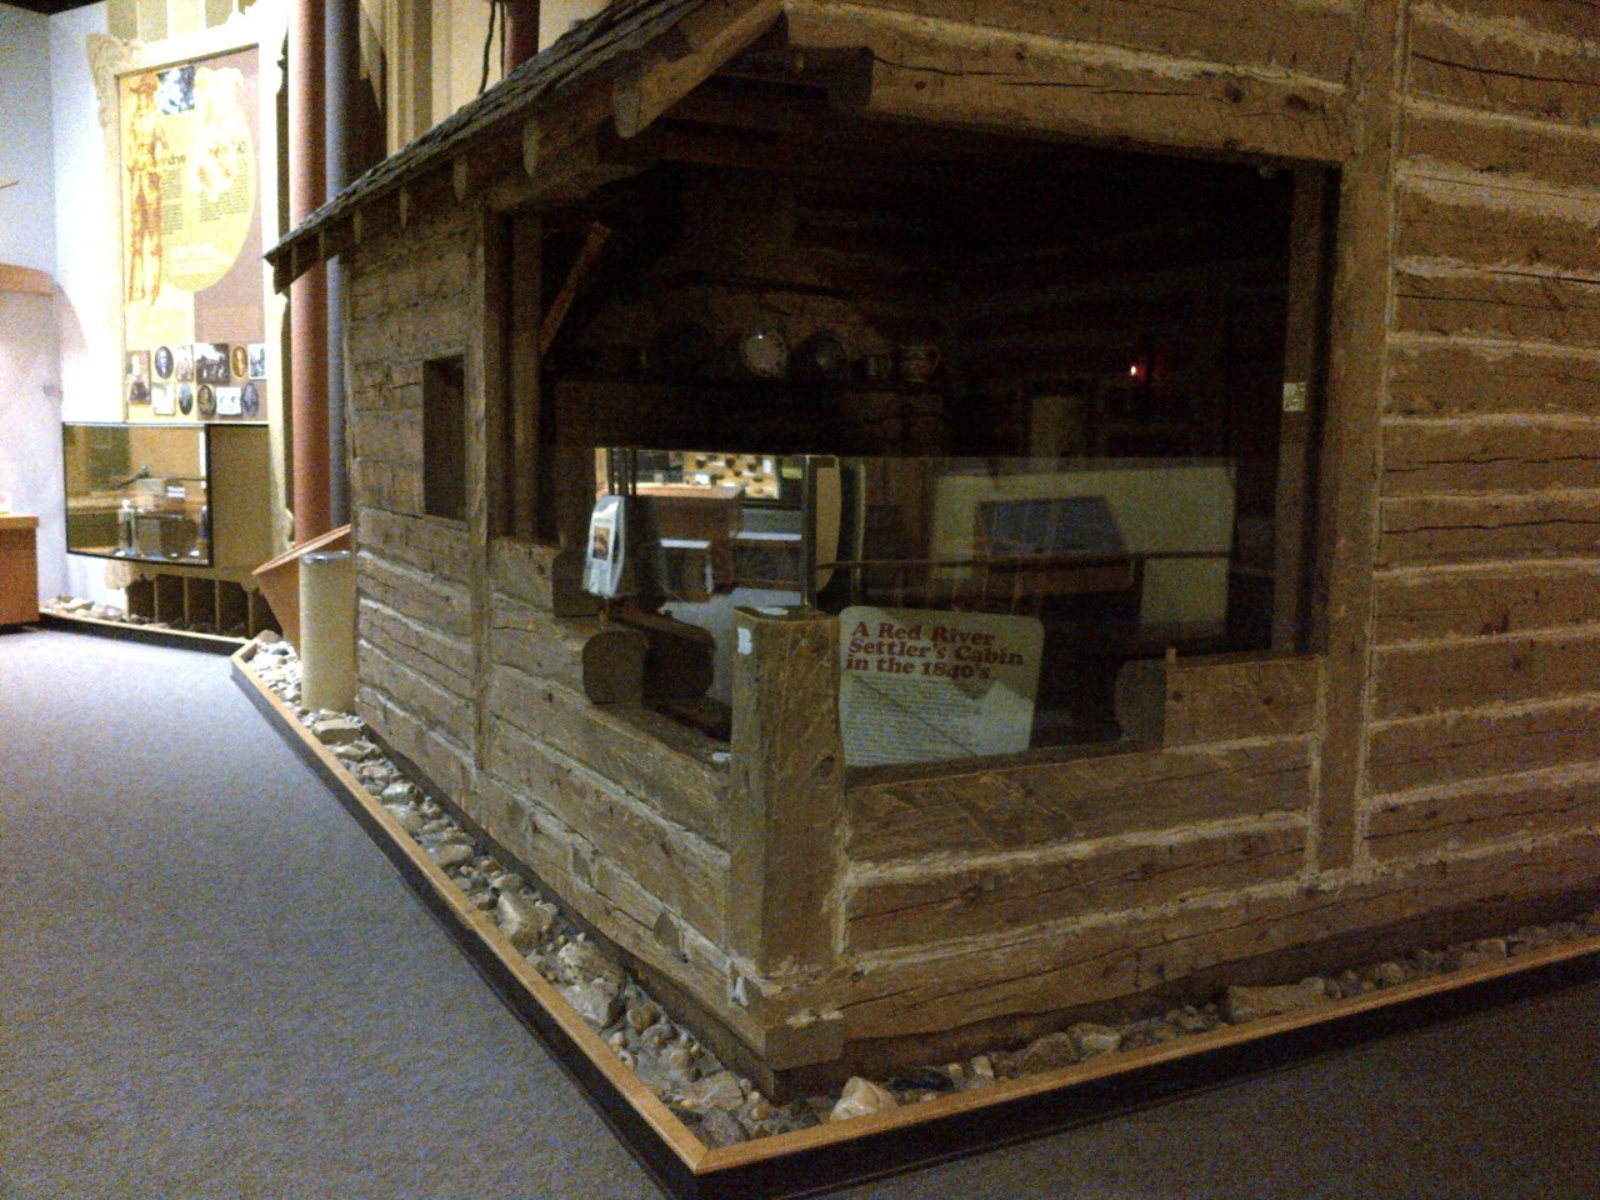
[(766, 273)]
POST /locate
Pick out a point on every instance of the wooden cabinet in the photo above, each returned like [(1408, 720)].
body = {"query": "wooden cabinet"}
[(19, 569)]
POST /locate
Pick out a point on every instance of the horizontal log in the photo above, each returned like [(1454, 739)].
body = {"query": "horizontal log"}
[(1485, 601), (1461, 746), (1416, 680), (391, 435), (996, 809), (442, 551), (943, 904), (416, 595), (415, 691), (653, 759), (447, 661), (684, 871), (1469, 220), (1508, 68), (1221, 698), (1315, 38), (396, 487), (1503, 154), (1518, 305), (603, 661), (445, 761), (630, 915), (1040, 971), (1422, 458), (547, 577), (954, 72), (1419, 824), (1446, 379), (1437, 530)]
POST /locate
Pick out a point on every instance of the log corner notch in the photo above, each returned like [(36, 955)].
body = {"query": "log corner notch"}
[(786, 794)]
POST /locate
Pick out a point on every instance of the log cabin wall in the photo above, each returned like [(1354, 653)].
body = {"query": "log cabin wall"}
[(1436, 753), (529, 722)]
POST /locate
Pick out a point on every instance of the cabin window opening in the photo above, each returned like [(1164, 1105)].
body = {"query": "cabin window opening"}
[(444, 438), (1054, 403)]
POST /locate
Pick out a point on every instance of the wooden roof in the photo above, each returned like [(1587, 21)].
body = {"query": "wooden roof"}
[(627, 63)]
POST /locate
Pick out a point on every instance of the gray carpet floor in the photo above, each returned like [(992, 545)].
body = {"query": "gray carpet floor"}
[(213, 985)]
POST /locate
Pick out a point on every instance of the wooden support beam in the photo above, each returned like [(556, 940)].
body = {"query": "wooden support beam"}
[(786, 794), (1347, 533), (955, 72), (701, 44)]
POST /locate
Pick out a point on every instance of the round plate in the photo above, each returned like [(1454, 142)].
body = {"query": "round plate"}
[(764, 353)]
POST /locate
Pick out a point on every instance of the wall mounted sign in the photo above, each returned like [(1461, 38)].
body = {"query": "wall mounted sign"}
[(918, 685)]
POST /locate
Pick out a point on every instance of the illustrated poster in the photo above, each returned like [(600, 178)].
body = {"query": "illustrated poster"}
[(191, 218)]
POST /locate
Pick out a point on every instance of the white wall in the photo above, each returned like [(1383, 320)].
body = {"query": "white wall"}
[(27, 228), (30, 406), (87, 266)]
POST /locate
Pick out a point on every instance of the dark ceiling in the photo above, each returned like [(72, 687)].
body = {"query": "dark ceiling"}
[(49, 6)]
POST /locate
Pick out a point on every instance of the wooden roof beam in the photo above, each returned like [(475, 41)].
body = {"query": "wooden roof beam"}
[(699, 46)]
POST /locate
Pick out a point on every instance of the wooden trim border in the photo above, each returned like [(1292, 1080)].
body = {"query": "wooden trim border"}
[(175, 639), (833, 1155)]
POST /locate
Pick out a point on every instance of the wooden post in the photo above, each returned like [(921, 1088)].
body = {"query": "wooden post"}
[(787, 791), (1357, 380)]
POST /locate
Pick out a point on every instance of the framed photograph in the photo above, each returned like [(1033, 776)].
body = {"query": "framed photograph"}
[(258, 360), (211, 363), (185, 397), (138, 392), (183, 364), (250, 400), (162, 359), (162, 402), (230, 402), (206, 399), (138, 365), (239, 360)]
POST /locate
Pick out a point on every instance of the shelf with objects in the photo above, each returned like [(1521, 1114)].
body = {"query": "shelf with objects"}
[(182, 508)]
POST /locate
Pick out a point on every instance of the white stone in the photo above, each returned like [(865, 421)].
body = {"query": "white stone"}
[(450, 854), (862, 1098), (1254, 1003), (718, 1091), (524, 919), (337, 730), (1090, 1039), (594, 1001), (406, 816), (579, 961)]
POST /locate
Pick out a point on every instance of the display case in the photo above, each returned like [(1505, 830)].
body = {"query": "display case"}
[(139, 492)]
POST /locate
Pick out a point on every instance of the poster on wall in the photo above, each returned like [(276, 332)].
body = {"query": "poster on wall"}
[(918, 685), (191, 229)]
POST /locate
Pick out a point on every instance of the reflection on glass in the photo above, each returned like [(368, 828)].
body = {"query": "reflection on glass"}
[(1095, 562), (137, 492)]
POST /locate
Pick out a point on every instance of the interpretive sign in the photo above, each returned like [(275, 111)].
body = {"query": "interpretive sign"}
[(919, 685)]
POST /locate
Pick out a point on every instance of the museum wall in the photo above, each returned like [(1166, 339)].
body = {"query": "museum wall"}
[(30, 397)]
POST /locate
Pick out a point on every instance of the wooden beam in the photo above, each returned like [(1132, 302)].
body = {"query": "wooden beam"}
[(1357, 377), (702, 43), (786, 797), (953, 72)]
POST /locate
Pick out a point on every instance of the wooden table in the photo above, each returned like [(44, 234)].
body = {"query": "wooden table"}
[(19, 569)]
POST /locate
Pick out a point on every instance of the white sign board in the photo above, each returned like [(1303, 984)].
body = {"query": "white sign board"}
[(920, 686)]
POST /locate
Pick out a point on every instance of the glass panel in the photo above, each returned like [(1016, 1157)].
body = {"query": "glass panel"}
[(137, 492), (988, 605)]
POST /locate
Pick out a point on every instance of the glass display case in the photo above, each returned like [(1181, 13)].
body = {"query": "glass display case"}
[(138, 492)]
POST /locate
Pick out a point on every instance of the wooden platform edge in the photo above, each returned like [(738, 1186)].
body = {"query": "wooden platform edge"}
[(663, 1143), (837, 1154), (176, 639)]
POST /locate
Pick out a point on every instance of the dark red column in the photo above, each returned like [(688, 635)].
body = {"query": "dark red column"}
[(308, 295)]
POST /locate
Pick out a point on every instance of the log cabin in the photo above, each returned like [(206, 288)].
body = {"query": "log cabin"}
[(1226, 369)]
